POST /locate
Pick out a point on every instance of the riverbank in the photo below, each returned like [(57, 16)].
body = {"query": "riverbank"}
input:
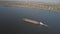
[(43, 6)]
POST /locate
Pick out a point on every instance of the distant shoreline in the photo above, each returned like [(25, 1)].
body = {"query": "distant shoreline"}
[(32, 5)]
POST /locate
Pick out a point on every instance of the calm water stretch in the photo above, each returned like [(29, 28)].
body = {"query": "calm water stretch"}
[(11, 21)]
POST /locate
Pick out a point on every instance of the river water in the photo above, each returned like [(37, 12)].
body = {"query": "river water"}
[(11, 21)]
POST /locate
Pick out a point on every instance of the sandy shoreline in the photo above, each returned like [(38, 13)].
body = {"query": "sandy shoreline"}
[(31, 5)]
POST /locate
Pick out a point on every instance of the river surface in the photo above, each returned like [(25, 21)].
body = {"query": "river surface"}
[(11, 21)]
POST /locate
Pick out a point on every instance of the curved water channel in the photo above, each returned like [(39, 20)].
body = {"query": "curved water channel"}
[(11, 21)]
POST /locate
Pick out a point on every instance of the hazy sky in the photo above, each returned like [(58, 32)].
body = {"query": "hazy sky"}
[(34, 0)]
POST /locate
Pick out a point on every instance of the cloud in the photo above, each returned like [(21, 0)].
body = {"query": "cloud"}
[(34, 0)]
